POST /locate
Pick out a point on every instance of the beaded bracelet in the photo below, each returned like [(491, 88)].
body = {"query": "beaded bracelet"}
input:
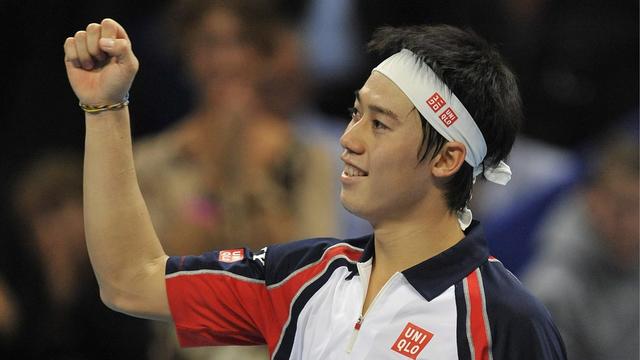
[(93, 109)]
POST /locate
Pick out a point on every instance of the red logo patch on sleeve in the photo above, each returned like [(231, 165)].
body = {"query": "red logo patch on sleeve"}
[(448, 117), (436, 102), (412, 341), (229, 256)]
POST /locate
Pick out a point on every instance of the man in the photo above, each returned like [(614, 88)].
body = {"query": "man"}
[(430, 291), (587, 263)]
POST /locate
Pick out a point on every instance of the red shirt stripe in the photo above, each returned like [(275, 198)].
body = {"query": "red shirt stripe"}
[(479, 336)]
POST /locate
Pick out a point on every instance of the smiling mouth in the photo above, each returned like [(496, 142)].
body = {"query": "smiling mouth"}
[(352, 171)]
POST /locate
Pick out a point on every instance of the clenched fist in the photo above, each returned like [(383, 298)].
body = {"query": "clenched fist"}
[(100, 63)]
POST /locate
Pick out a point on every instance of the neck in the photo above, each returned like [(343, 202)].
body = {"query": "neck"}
[(402, 244)]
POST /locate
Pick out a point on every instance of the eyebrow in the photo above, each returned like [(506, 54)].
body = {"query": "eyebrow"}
[(378, 109)]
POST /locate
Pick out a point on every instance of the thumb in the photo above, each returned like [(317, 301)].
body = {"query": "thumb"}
[(117, 48)]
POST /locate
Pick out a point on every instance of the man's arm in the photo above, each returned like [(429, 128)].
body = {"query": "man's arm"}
[(127, 257)]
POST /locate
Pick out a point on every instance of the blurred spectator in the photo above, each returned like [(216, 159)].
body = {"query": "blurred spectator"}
[(47, 198), (232, 172), (9, 317), (332, 40), (541, 174), (293, 100), (235, 171), (587, 267)]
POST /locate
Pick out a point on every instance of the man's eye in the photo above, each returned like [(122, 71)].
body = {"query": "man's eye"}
[(354, 113), (377, 124)]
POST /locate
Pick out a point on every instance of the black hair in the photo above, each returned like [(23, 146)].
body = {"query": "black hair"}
[(480, 78), (256, 16)]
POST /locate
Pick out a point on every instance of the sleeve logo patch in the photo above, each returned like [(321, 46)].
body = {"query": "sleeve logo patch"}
[(412, 341), (229, 256)]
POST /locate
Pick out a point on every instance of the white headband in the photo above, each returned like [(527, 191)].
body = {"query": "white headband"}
[(444, 112)]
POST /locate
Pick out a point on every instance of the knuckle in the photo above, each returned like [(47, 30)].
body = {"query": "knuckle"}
[(123, 45), (107, 22), (80, 34), (93, 27)]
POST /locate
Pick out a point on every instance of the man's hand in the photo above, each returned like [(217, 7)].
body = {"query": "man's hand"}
[(100, 63)]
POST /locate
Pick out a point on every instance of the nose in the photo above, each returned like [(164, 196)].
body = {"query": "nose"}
[(351, 139)]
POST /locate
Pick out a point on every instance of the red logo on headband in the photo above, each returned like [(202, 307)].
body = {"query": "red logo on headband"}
[(448, 117), (436, 102)]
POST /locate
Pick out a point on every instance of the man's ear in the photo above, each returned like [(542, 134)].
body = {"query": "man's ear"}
[(449, 160)]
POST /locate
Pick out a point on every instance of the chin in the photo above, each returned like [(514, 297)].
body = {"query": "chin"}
[(356, 210), (349, 205)]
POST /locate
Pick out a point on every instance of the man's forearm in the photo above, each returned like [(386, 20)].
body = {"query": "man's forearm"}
[(125, 253)]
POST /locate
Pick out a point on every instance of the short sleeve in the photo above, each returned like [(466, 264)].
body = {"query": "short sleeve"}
[(219, 298)]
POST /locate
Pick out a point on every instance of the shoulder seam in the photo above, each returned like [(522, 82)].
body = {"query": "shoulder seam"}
[(213, 272), (321, 259)]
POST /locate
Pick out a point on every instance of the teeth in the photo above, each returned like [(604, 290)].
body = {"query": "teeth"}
[(352, 171)]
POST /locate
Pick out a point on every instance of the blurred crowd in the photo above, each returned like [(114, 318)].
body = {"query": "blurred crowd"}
[(237, 111)]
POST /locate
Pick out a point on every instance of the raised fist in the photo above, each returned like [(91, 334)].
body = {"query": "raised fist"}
[(100, 63)]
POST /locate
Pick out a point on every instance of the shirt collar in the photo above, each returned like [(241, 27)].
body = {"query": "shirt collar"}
[(435, 275)]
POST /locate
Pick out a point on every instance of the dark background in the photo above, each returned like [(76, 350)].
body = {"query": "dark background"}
[(577, 61)]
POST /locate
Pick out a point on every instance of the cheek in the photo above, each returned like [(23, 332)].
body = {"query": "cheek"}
[(400, 166), (400, 150)]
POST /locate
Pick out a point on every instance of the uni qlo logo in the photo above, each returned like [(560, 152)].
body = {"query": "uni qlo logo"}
[(229, 256), (436, 102), (412, 341), (448, 117)]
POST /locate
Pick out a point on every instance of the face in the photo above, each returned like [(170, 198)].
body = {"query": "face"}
[(383, 178), (219, 53), (59, 234), (613, 207)]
